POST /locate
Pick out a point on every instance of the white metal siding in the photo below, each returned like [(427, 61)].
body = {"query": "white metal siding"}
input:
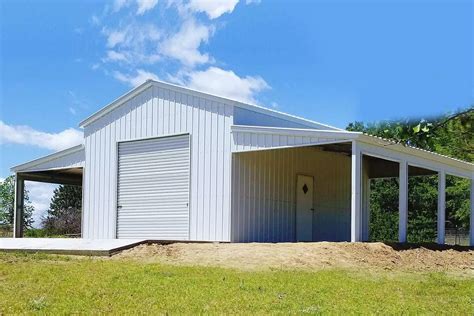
[(263, 185), (246, 141), (251, 138), (161, 112), (153, 188)]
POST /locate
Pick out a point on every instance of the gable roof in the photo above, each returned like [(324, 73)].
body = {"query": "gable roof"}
[(252, 107)]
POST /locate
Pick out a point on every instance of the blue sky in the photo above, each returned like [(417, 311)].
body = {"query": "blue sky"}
[(330, 61)]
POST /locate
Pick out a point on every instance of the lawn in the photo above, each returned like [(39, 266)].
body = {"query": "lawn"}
[(59, 284)]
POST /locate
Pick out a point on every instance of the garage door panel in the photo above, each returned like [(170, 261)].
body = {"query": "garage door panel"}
[(154, 150), (146, 208), (128, 218), (174, 186), (153, 188), (178, 182), (152, 196), (170, 220), (164, 223), (164, 158), (150, 176)]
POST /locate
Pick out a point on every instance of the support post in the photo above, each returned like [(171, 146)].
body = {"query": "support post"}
[(403, 202), (18, 207), (441, 207), (365, 199), (356, 220), (471, 227)]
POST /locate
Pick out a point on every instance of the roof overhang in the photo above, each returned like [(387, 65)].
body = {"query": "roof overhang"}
[(254, 138), (416, 157), (69, 158)]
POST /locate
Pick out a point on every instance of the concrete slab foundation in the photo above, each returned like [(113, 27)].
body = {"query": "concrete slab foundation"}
[(79, 246)]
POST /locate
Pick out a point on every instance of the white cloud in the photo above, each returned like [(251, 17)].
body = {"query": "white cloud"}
[(145, 5), (40, 197), (25, 135), (135, 80), (226, 83), (119, 4), (173, 48), (184, 45), (253, 1), (114, 38), (115, 56), (136, 43), (72, 110), (95, 20), (213, 8)]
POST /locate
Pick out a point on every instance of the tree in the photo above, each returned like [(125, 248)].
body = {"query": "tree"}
[(64, 214), (383, 210), (448, 134), (451, 135), (7, 204)]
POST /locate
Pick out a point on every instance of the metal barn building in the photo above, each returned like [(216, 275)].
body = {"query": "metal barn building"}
[(164, 162)]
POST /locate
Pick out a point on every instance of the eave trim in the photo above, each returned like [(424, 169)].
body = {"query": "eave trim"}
[(47, 158)]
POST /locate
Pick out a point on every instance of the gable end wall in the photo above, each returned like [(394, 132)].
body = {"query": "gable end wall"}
[(159, 112)]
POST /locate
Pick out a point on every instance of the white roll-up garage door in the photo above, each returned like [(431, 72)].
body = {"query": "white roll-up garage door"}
[(153, 188)]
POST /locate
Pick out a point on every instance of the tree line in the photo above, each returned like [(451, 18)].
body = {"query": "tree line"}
[(63, 216)]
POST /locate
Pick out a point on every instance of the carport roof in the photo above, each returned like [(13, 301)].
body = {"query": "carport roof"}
[(251, 138), (73, 157)]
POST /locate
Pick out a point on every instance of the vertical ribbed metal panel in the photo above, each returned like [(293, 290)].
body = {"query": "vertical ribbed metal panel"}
[(248, 141), (153, 188), (263, 189), (163, 112)]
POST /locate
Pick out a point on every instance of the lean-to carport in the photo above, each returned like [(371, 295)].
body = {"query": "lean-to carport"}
[(370, 157), (64, 167)]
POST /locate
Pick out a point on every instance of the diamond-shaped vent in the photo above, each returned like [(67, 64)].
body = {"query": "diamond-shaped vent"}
[(305, 188)]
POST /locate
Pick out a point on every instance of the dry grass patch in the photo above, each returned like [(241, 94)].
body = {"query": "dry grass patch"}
[(306, 256)]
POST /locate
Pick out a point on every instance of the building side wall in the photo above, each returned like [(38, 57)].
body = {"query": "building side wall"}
[(160, 112), (264, 194)]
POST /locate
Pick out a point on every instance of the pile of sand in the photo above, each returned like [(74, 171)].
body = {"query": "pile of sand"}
[(256, 256)]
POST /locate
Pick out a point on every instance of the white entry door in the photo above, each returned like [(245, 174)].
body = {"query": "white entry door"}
[(304, 208)]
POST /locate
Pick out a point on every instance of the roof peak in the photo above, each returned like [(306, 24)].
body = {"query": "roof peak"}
[(152, 82)]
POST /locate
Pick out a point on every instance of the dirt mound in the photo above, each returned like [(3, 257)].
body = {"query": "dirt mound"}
[(256, 256)]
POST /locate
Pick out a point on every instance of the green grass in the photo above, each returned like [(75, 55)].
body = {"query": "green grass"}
[(53, 284)]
